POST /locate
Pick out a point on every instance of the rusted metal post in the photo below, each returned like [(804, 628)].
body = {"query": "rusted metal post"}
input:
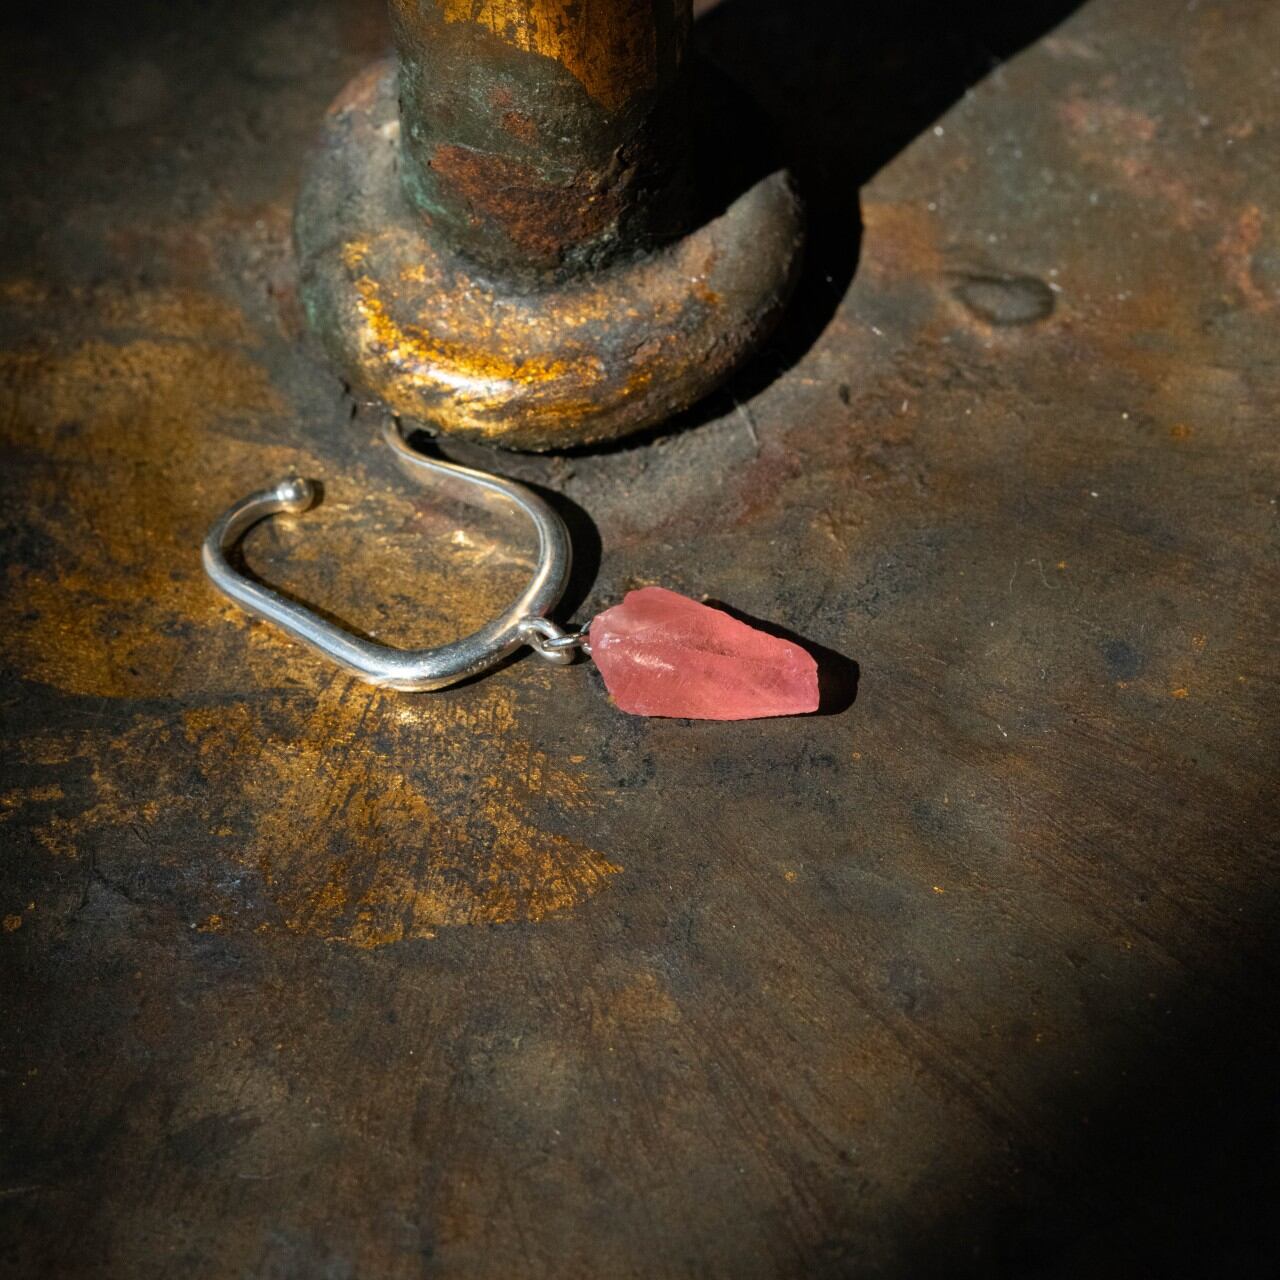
[(545, 137), (497, 234)]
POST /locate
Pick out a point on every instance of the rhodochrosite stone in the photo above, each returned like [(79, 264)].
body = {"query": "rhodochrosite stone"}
[(662, 654)]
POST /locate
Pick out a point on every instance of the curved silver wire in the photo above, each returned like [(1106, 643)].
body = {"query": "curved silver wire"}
[(408, 669)]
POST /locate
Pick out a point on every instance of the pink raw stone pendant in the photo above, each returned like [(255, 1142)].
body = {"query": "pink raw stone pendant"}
[(662, 654)]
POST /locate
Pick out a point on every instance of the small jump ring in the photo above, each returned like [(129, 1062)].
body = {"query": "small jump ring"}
[(551, 641)]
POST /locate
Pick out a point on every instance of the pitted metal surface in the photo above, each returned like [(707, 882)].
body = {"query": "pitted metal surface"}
[(973, 974)]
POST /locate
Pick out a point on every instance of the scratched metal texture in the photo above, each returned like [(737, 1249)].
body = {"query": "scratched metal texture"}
[(973, 975)]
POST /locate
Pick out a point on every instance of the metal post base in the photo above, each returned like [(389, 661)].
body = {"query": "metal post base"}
[(413, 324)]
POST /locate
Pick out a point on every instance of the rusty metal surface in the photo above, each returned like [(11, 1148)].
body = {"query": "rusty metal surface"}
[(545, 137), (974, 976)]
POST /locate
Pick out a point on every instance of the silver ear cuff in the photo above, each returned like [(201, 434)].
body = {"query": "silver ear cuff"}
[(524, 623)]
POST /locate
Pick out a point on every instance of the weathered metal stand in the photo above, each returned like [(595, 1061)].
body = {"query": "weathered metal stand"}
[(500, 232)]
